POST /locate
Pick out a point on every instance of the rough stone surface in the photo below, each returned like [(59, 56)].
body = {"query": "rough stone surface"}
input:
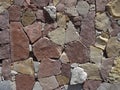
[(64, 58), (37, 86), (5, 85), (44, 48), (19, 2), (20, 42), (34, 31), (40, 15), (21, 82), (49, 67), (48, 83)]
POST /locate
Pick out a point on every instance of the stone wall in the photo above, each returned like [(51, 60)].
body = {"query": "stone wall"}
[(59, 44)]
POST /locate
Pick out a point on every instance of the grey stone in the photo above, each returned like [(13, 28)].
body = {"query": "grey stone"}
[(118, 36), (37, 86), (75, 87), (72, 11), (36, 66), (5, 85)]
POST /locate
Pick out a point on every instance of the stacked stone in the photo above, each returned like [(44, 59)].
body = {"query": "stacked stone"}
[(59, 44)]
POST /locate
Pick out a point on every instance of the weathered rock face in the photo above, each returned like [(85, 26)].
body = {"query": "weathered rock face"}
[(20, 42), (44, 48), (5, 85)]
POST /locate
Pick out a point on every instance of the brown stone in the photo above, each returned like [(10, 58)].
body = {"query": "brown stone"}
[(19, 42), (44, 48), (33, 31), (14, 13), (6, 72), (24, 82), (40, 15), (70, 3), (19, 2), (49, 67), (91, 85), (77, 52), (4, 51), (60, 7)]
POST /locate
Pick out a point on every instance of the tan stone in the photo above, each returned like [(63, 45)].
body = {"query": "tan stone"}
[(64, 58), (24, 67), (62, 80), (114, 8)]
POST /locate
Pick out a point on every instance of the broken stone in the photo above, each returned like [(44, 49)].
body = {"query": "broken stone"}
[(28, 17), (24, 67), (48, 83), (58, 36), (21, 82), (71, 11), (78, 76), (92, 71), (5, 85), (48, 68), (71, 33), (19, 42), (44, 48), (51, 11), (80, 55), (64, 58), (40, 15), (37, 86), (14, 13), (33, 31), (82, 7), (91, 84), (113, 47), (96, 55), (55, 2), (113, 8)]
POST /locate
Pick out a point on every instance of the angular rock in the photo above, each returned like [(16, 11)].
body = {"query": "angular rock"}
[(58, 36), (96, 55), (40, 15), (64, 58), (49, 68), (37, 86), (28, 17), (5, 85), (34, 31), (3, 6), (19, 42), (91, 85), (44, 48), (77, 52), (113, 47), (14, 13), (82, 7), (48, 83), (24, 67), (113, 7), (70, 3), (105, 86), (92, 71), (71, 11), (71, 33), (24, 82), (78, 76)]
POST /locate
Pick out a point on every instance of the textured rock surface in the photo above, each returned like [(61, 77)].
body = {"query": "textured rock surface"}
[(5, 85)]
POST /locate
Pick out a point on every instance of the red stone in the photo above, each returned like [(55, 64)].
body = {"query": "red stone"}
[(77, 52), (24, 82), (19, 42), (49, 67), (44, 49), (33, 31), (40, 15), (14, 13)]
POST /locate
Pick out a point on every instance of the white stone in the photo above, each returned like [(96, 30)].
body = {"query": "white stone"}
[(78, 76), (36, 66), (74, 65), (64, 58), (37, 86)]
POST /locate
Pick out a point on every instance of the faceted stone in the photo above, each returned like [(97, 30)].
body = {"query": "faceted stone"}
[(5, 85), (77, 52), (114, 75), (6, 71), (37, 86), (92, 70), (96, 55), (24, 67), (113, 47), (71, 11), (48, 83), (113, 8), (36, 66), (24, 82), (61, 20), (4, 51), (102, 22), (106, 67), (105, 86), (19, 2), (91, 85), (58, 36), (78, 75), (100, 5), (33, 31), (82, 7), (71, 33), (44, 48), (40, 15), (64, 58), (14, 13), (49, 67), (28, 17), (19, 42), (62, 80)]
